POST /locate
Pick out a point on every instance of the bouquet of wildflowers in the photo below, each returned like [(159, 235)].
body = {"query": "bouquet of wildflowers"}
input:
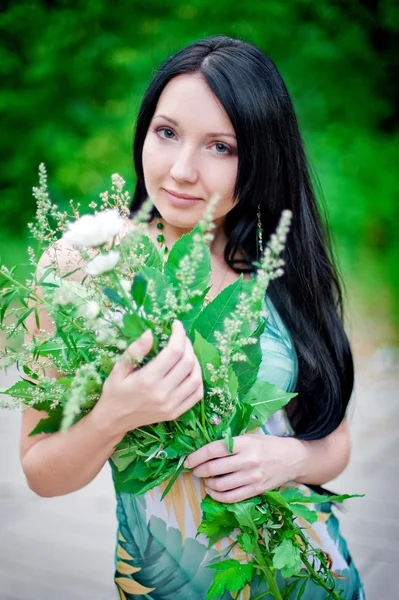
[(129, 286)]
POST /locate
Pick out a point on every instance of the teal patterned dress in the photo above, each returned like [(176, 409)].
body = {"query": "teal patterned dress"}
[(158, 556)]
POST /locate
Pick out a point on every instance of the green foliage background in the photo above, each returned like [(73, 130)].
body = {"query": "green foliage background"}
[(73, 74)]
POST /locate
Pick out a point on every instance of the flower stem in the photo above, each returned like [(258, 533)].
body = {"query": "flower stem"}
[(21, 285), (202, 426), (319, 580), (273, 587)]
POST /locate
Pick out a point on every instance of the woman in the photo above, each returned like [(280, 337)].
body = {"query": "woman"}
[(217, 117)]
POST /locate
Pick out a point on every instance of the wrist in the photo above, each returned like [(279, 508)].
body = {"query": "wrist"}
[(299, 454), (108, 431)]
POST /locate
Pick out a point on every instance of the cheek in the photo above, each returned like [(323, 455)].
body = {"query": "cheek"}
[(223, 181), (154, 164)]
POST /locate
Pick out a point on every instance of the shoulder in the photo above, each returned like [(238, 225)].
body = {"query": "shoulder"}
[(279, 358), (65, 258)]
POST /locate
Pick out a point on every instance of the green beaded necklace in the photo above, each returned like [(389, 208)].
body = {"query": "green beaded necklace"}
[(161, 237)]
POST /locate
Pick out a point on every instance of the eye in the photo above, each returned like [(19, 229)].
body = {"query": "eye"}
[(222, 148), (167, 131)]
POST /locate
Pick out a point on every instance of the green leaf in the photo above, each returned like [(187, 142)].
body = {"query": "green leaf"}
[(230, 575), (66, 382), (214, 531), (206, 353), (233, 381), (128, 480), (137, 469), (44, 274), (49, 424), (181, 445), (133, 326), (213, 314), (23, 389), (50, 285), (182, 248), (124, 457), (302, 511), (247, 542), (287, 558), (160, 286), (10, 294), (276, 498), (113, 296), (139, 288), (136, 244), (293, 494), (229, 441), (175, 475), (247, 372), (217, 512), (21, 319), (29, 372), (265, 399), (241, 418), (188, 319), (245, 512)]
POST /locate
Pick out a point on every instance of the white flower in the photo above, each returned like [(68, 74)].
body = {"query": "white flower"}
[(104, 332), (64, 295), (68, 292), (94, 230), (118, 181), (102, 263), (121, 344), (115, 317), (126, 285), (89, 310)]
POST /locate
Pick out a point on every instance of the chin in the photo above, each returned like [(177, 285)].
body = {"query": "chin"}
[(180, 217)]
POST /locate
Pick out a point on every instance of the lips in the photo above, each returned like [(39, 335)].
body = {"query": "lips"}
[(182, 196), (181, 202)]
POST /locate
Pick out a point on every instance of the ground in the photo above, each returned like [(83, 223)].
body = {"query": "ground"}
[(63, 547)]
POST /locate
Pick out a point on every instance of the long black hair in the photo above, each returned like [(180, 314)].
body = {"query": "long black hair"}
[(272, 171)]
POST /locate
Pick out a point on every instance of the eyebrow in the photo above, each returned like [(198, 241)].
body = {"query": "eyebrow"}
[(176, 124)]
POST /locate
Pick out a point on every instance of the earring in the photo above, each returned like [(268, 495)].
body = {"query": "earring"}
[(259, 232), (161, 237)]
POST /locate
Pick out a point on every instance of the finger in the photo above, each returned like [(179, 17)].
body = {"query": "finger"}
[(139, 348), (219, 466), (232, 481), (170, 355), (182, 370), (191, 400), (189, 385), (213, 450), (241, 493)]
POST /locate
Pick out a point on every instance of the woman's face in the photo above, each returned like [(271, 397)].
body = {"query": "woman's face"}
[(190, 149)]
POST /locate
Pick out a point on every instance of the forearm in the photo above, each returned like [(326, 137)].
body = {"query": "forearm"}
[(65, 462), (320, 461)]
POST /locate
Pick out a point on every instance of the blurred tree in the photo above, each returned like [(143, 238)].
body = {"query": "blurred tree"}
[(73, 74)]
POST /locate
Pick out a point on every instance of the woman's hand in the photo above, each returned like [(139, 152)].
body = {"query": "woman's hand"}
[(258, 463), (162, 390)]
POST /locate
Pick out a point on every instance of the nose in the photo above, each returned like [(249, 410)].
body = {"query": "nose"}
[(183, 167)]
